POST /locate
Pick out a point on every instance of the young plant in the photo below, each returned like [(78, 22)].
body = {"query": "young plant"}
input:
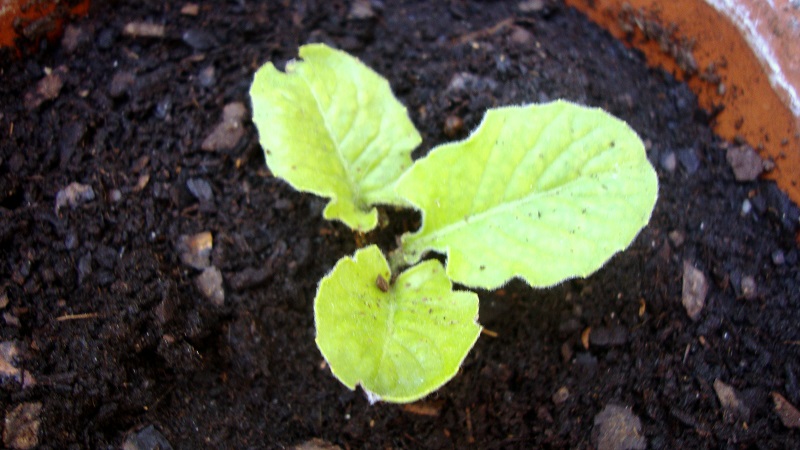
[(539, 192)]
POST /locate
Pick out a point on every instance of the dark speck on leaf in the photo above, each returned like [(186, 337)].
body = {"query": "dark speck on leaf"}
[(382, 284)]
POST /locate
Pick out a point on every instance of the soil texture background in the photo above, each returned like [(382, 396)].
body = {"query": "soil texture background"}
[(121, 142)]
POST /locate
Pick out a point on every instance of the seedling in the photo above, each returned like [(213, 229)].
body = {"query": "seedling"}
[(539, 192)]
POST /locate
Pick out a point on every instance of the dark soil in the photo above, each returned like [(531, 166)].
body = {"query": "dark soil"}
[(109, 322)]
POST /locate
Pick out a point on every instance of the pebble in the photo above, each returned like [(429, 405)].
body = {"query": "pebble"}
[(748, 285), (315, 444), (789, 415), (8, 365), (608, 336), (207, 77), (74, 195), (453, 125), (677, 237), (195, 250), (734, 408), (695, 289), (121, 83), (617, 428), (746, 208), (209, 283), (689, 160), (521, 36), (74, 37), (465, 81), (361, 10), (531, 6), (200, 40), (114, 195), (200, 189), (190, 9), (21, 431), (229, 131), (778, 258), (47, 88), (163, 107), (143, 29), (745, 162), (148, 438), (669, 161), (560, 396)]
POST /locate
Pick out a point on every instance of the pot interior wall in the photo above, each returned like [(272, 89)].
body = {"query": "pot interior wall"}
[(692, 40)]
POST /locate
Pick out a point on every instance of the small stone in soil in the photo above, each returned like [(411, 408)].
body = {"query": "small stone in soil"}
[(531, 6), (617, 428), (114, 195), (745, 162), (748, 287), (669, 161), (74, 195), (521, 36), (778, 258), (316, 444), (47, 88), (677, 238), (209, 283), (190, 9), (733, 407), (194, 250), (121, 82), (143, 29), (465, 81), (207, 77), (200, 189), (361, 10), (163, 107), (695, 289), (22, 424), (8, 356), (689, 160), (561, 395), (227, 133), (199, 39), (453, 126), (148, 438), (74, 37), (789, 415), (746, 208)]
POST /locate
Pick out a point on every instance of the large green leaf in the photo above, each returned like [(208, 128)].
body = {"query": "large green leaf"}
[(332, 126), (542, 192), (399, 344)]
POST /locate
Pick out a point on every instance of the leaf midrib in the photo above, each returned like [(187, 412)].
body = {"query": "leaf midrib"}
[(355, 191)]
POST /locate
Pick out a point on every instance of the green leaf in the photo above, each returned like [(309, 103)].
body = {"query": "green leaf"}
[(332, 127), (542, 192), (401, 344)]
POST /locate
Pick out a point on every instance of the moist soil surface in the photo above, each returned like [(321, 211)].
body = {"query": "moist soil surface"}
[(111, 334)]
